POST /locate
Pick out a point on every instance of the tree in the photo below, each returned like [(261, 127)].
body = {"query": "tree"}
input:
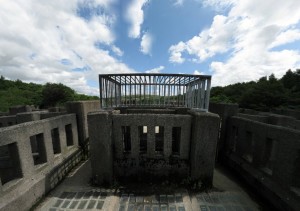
[(55, 94)]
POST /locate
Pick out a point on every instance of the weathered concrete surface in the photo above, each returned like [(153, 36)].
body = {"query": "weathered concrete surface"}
[(203, 146), (22, 190), (19, 109), (75, 193), (101, 146), (81, 109), (225, 111), (267, 157)]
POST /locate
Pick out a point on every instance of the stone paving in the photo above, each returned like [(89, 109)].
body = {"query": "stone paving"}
[(76, 194)]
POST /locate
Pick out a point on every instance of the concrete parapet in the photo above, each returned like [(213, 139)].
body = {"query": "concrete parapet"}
[(6, 121), (271, 151), (29, 153), (101, 146), (205, 128), (81, 109), (224, 111), (29, 116), (19, 109)]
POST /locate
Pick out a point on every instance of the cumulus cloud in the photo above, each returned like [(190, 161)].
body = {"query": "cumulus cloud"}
[(248, 34), (155, 70), (135, 16), (48, 42), (146, 43)]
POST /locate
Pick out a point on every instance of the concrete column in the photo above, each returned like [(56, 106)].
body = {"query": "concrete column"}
[(100, 132), (81, 109), (150, 141), (205, 128), (135, 144), (167, 141)]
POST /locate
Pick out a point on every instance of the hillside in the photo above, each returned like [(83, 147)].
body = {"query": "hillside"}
[(20, 93), (264, 94)]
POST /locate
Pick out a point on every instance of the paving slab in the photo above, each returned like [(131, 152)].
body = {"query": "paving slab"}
[(75, 193)]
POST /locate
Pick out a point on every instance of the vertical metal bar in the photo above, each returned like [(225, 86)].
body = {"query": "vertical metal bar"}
[(106, 101), (207, 94), (130, 90), (125, 85), (100, 90)]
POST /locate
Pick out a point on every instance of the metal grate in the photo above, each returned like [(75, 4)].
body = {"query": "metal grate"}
[(161, 90)]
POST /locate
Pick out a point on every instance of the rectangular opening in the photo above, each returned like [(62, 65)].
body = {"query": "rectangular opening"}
[(296, 174), (38, 149), (126, 138), (1, 125), (69, 135), (9, 163), (269, 156), (159, 138), (55, 141), (10, 123), (248, 147), (235, 137), (176, 133), (143, 130)]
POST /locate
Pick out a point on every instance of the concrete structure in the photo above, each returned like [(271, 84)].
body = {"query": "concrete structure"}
[(152, 146), (264, 149), (34, 157)]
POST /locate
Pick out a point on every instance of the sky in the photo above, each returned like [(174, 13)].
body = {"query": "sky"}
[(71, 42)]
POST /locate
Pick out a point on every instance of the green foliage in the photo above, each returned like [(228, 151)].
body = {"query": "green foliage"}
[(56, 94), (265, 94), (19, 93)]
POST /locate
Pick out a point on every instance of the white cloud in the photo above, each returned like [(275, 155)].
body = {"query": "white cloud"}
[(117, 50), (146, 43), (135, 16), (178, 2), (155, 70), (42, 34), (247, 33), (197, 72)]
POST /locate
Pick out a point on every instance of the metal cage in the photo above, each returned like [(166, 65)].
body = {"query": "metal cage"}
[(155, 90)]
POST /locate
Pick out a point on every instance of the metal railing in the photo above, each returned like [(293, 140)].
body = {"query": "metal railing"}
[(161, 90)]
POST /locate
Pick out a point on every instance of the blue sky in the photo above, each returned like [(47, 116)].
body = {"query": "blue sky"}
[(73, 42)]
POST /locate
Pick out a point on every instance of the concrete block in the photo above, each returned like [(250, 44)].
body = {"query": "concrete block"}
[(81, 109), (101, 147), (205, 128)]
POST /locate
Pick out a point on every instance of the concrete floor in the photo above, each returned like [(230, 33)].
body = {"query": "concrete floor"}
[(75, 193)]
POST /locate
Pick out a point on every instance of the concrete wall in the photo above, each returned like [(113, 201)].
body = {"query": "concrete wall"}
[(6, 121), (287, 112), (150, 154), (205, 127), (224, 111), (153, 162), (81, 109), (32, 155), (19, 109), (268, 157)]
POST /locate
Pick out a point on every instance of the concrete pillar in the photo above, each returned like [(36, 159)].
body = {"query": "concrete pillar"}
[(224, 111), (167, 141), (205, 128), (101, 146), (81, 109)]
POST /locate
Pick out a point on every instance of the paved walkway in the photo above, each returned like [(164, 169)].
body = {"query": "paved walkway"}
[(75, 193)]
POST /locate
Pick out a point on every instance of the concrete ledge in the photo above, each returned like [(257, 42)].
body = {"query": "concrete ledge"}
[(279, 197)]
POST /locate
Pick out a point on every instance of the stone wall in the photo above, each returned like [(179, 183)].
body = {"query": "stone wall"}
[(32, 158)]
